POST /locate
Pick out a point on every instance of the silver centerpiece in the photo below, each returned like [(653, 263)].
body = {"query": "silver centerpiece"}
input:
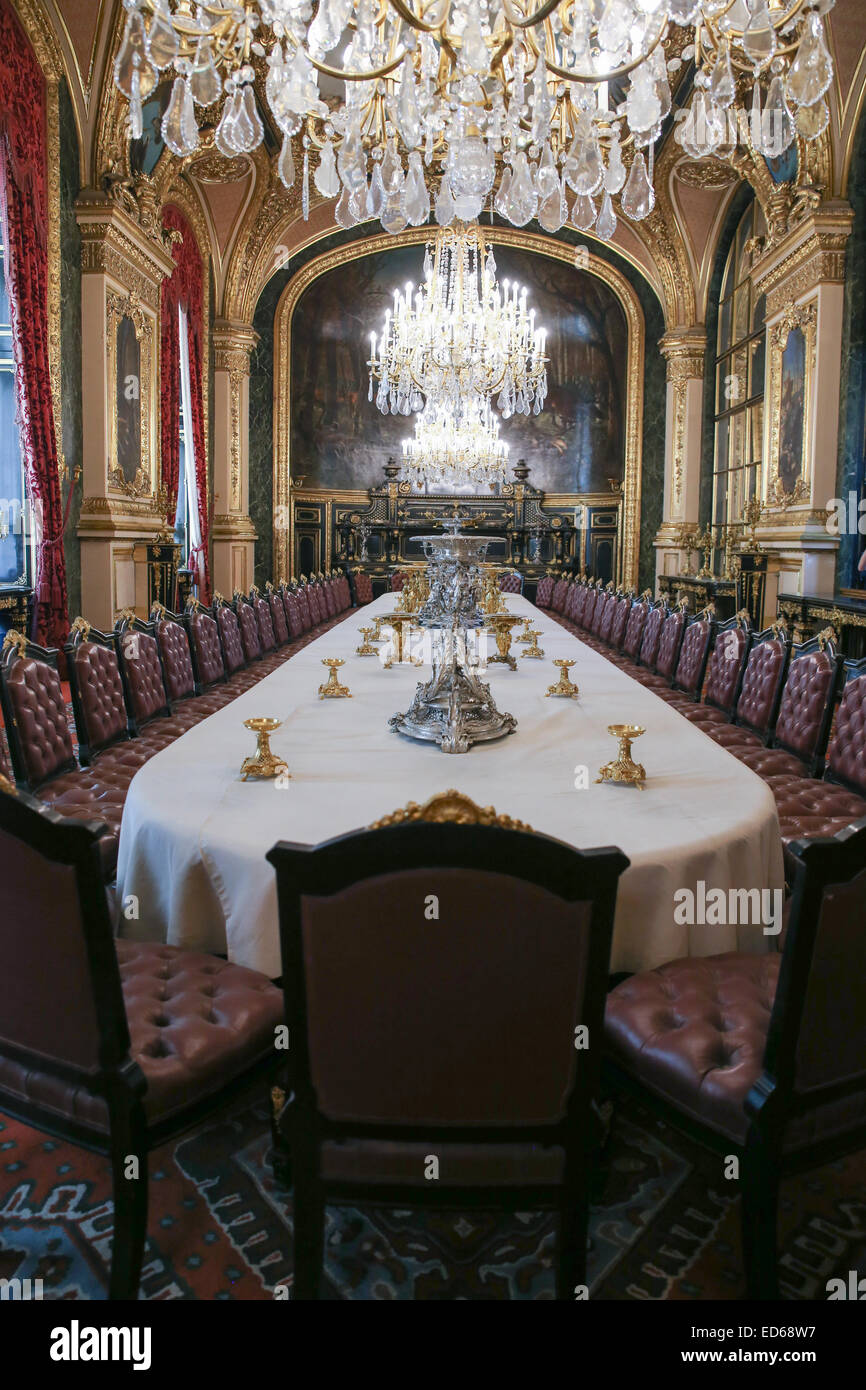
[(455, 709)]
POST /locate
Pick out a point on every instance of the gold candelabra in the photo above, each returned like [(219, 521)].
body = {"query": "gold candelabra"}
[(263, 763), (332, 689), (564, 687), (623, 768)]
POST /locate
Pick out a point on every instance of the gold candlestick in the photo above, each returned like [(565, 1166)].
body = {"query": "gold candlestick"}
[(526, 634), (564, 686), (623, 768), (706, 542), (367, 648), (534, 651), (332, 689), (501, 626), (263, 763)]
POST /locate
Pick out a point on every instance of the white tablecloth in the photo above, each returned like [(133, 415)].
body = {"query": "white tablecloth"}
[(194, 836)]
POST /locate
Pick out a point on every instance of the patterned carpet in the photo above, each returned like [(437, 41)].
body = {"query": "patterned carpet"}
[(220, 1227)]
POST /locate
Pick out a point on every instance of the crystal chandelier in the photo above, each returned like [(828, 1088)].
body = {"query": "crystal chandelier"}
[(450, 451), (551, 111), (459, 338)]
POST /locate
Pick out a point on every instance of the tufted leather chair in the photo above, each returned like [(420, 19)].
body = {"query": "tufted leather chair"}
[(304, 607), (557, 598), (314, 597), (606, 624), (805, 715), (846, 755), (763, 1055), (230, 637), (34, 712), (724, 676), (250, 635), (544, 591), (363, 588), (581, 599), (173, 643), (511, 582), (293, 614), (670, 643), (278, 616), (120, 1046), (262, 610), (97, 691), (366, 1098), (593, 598), (760, 693), (692, 661), (398, 579), (207, 659), (570, 603), (634, 630), (141, 671), (330, 599), (344, 595), (652, 634), (619, 622)]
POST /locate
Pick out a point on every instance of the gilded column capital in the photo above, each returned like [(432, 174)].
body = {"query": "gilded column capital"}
[(233, 346), (810, 254), (684, 350)]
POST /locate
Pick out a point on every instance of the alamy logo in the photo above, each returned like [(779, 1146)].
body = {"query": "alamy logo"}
[(734, 907), (20, 1290), (77, 1343), (854, 1290)]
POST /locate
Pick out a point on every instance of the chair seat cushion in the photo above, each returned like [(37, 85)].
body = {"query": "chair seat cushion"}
[(694, 1031), (195, 1023), (808, 807), (771, 762)]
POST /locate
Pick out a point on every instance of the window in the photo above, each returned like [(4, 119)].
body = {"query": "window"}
[(740, 361), (16, 540), (187, 527)]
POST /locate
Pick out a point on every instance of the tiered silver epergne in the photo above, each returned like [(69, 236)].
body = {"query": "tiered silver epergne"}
[(455, 708)]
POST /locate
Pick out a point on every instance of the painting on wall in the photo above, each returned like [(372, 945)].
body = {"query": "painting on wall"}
[(131, 375), (792, 410), (792, 352), (339, 440)]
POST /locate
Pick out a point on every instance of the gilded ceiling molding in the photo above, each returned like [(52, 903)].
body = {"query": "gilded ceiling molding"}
[(533, 242)]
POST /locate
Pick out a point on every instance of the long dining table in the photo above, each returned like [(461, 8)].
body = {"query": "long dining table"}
[(192, 870)]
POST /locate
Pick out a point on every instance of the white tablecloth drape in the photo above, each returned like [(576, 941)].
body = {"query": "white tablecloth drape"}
[(194, 836)]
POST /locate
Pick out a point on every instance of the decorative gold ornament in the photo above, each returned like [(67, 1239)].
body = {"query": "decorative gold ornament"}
[(624, 768), (263, 764), (332, 689), (534, 651), (450, 808), (564, 687), (501, 625), (367, 648)]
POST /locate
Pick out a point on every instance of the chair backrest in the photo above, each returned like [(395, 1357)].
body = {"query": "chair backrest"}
[(314, 597), (398, 579), (207, 658), (581, 598), (250, 637), (727, 664), (604, 599), (544, 591), (330, 598), (363, 587), (511, 582), (344, 594), (571, 600), (606, 622), (652, 634), (806, 711), (97, 690), (619, 622), (173, 642), (304, 607), (634, 628), (558, 597), (670, 641), (694, 655), (262, 610), (293, 613), (816, 1043), (476, 1002), (846, 755), (61, 1004), (34, 712), (141, 670), (278, 616), (763, 678), (229, 631)]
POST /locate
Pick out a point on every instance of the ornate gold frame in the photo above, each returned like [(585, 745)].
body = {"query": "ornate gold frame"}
[(805, 317), (118, 307), (501, 236)]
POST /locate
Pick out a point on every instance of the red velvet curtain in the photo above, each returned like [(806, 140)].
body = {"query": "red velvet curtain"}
[(24, 209), (184, 289)]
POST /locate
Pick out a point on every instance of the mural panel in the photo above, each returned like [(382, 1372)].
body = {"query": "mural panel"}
[(340, 440)]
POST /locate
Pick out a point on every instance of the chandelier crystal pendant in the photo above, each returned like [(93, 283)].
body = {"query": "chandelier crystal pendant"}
[(459, 339), (497, 99), (455, 452)]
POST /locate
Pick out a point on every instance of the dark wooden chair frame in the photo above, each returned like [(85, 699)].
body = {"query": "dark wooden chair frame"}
[(676, 685), (201, 685), (730, 626), (119, 1079), (758, 639), (86, 754), (123, 628), (773, 1100), (851, 670), (320, 871), (815, 763)]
